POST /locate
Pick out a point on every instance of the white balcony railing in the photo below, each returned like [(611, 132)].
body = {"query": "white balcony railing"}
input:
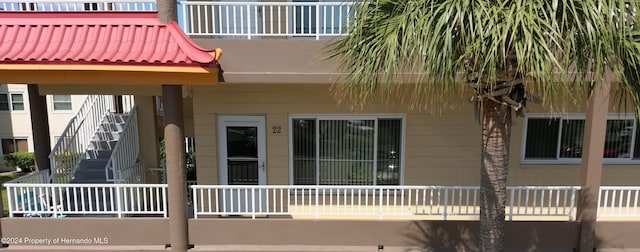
[(57, 200), (376, 201), (619, 202), (311, 202), (78, 5), (252, 20)]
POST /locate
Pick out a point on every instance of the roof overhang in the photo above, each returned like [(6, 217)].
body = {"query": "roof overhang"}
[(101, 48)]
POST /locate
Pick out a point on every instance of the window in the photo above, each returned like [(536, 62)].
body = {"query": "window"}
[(61, 102), (559, 139), (11, 102), (346, 150), (11, 145)]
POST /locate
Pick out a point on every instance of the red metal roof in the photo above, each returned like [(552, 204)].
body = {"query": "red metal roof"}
[(112, 38)]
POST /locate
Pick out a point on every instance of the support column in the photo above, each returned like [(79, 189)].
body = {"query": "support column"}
[(592, 158), (176, 173), (39, 127), (149, 145)]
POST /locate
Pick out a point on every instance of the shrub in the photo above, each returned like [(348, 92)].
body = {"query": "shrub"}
[(25, 161)]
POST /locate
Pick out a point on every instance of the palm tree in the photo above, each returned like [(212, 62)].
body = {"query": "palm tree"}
[(506, 51)]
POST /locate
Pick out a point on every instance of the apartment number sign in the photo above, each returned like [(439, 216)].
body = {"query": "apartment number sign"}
[(276, 129)]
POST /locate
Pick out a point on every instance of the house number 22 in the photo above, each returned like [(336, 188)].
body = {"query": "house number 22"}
[(276, 129)]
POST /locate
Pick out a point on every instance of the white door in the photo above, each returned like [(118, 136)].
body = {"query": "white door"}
[(242, 162)]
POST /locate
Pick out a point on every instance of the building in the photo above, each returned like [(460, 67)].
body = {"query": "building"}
[(15, 131), (272, 142)]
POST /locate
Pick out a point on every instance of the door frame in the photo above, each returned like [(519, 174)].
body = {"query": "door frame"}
[(242, 120)]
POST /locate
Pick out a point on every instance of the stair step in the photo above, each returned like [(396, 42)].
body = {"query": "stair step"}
[(99, 154), (93, 164), (111, 127), (116, 118), (90, 174), (103, 145), (107, 136)]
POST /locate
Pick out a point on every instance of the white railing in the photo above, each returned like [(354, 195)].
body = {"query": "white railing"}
[(125, 153), (76, 137), (78, 5), (542, 201), (39, 177), (378, 201), (60, 200), (619, 201), (251, 20)]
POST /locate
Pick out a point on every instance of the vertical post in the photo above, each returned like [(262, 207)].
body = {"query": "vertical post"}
[(591, 171), (175, 163), (174, 147), (317, 22), (40, 127), (249, 22)]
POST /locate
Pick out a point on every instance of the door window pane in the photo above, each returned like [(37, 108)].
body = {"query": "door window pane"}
[(242, 172), (242, 142)]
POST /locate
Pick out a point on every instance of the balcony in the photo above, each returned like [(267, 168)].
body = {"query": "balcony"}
[(32, 195), (225, 20)]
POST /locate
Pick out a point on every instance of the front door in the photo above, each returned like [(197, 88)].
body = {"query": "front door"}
[(242, 162)]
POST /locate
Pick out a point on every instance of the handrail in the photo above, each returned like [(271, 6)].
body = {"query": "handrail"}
[(125, 153), (76, 137), (39, 177)]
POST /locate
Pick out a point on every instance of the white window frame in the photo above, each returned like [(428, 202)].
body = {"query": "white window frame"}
[(375, 117), (574, 161), (10, 100), (53, 105)]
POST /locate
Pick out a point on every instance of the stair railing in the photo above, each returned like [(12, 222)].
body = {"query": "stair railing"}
[(125, 153), (74, 141)]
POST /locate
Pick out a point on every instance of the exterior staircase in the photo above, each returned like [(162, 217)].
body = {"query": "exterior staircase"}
[(100, 150), (98, 145)]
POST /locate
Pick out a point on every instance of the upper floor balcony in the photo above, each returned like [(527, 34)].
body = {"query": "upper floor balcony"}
[(294, 19)]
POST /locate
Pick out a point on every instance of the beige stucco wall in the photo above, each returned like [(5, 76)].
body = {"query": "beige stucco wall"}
[(17, 124), (440, 149)]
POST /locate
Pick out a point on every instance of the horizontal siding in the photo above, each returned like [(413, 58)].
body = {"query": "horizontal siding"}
[(440, 149)]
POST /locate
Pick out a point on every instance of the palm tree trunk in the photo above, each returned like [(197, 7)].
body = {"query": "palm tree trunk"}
[(496, 134)]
